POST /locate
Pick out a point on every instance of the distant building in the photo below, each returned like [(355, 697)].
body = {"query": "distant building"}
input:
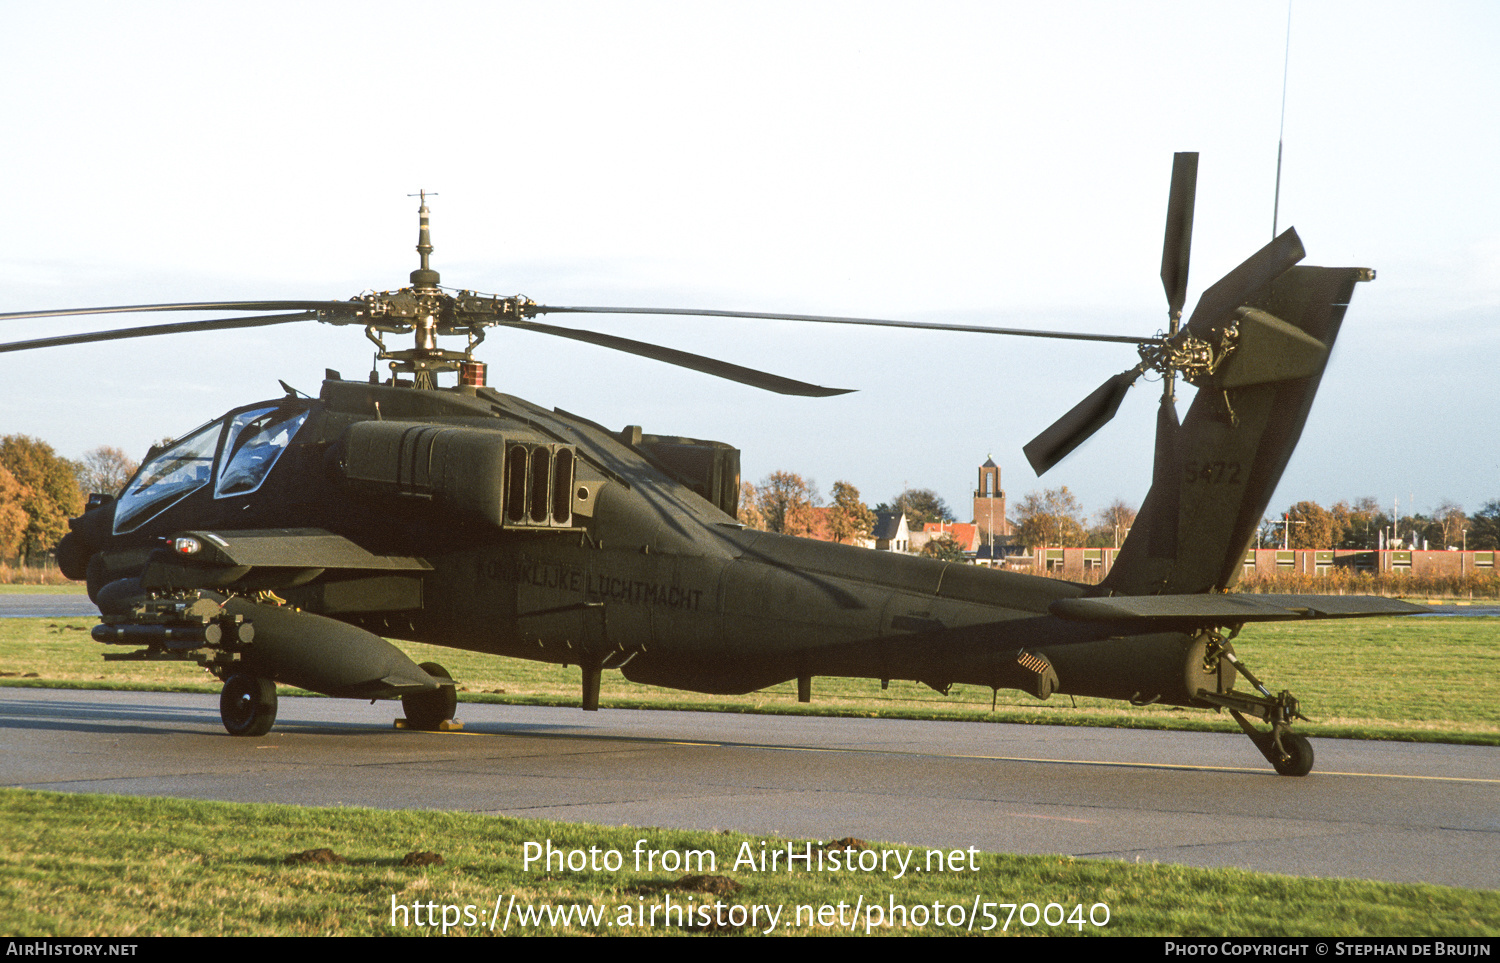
[(1086, 562), (1314, 561), (987, 537), (989, 507), (966, 534), (891, 533)]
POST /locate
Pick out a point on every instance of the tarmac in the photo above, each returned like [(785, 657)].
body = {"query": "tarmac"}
[(1404, 812)]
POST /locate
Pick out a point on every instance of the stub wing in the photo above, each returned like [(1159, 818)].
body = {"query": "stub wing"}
[(294, 548), (1203, 610), (350, 577)]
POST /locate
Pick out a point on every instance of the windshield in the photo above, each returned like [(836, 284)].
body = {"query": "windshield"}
[(254, 442), (168, 478)]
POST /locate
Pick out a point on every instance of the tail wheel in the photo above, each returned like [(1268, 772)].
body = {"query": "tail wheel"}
[(1299, 755), (429, 710), (248, 705)]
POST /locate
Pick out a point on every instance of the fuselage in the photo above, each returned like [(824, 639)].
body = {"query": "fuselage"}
[(613, 549)]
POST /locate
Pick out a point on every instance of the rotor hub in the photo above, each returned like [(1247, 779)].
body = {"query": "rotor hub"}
[(1193, 358)]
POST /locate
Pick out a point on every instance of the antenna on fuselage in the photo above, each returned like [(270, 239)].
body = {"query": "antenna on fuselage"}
[(1286, 61)]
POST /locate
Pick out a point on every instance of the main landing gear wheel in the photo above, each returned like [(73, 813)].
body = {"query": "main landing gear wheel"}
[(248, 705), (428, 711)]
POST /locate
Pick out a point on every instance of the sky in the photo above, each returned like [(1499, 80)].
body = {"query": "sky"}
[(987, 163)]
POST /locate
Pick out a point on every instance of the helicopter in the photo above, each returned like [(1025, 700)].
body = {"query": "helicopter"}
[(284, 542)]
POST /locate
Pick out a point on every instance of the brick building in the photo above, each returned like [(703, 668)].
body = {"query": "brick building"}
[(989, 506), (1083, 562)]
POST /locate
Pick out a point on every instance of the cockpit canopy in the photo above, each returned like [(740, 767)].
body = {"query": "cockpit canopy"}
[(245, 445)]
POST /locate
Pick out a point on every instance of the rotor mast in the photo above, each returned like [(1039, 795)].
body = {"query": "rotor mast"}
[(424, 278), (427, 312)]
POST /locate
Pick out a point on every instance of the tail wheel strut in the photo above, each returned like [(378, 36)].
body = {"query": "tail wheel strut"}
[(1289, 753)]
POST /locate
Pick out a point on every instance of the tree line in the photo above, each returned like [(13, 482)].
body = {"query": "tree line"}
[(40, 490), (786, 503), (1366, 525), (1054, 517)]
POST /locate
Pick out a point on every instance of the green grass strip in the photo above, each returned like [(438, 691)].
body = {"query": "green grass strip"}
[(81, 865)]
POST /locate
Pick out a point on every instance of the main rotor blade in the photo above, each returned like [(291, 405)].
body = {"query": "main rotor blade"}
[(193, 306), (684, 359), (1075, 427), (1244, 282), (827, 319), (1178, 243), (151, 330)]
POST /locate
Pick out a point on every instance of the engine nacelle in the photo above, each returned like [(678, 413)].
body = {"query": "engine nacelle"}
[(511, 479)]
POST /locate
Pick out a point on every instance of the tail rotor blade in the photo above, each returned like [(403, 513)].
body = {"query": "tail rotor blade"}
[(1178, 243), (1239, 286), (1075, 427)]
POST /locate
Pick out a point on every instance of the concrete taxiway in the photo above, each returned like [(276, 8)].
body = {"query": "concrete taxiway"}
[(1388, 811)]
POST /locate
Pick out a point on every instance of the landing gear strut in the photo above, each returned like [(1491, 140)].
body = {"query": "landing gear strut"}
[(1288, 752)]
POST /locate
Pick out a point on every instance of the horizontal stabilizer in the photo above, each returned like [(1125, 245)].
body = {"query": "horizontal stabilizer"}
[(1269, 350), (1228, 609)]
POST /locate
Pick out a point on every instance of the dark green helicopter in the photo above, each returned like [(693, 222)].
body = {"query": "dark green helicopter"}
[(280, 542)]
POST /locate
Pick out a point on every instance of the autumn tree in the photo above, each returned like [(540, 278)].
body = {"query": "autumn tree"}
[(1052, 517), (1111, 524), (1311, 526), (920, 505), (749, 512), (1451, 522), (1424, 531), (944, 548), (1359, 524), (106, 469), (784, 501), (50, 493), (12, 514), (1484, 527), (851, 519)]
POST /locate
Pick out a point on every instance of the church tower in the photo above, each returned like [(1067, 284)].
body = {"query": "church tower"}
[(989, 506)]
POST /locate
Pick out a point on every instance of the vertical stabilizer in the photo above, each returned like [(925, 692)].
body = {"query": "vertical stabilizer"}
[(1236, 440)]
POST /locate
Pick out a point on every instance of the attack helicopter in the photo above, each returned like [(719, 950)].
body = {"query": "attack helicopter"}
[(284, 542)]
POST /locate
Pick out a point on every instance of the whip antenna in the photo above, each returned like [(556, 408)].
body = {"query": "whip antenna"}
[(1281, 134)]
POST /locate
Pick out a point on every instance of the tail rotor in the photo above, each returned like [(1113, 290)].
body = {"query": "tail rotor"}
[(1195, 350)]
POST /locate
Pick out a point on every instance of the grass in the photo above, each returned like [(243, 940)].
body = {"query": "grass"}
[(31, 577), (1432, 679), (78, 865), (28, 588)]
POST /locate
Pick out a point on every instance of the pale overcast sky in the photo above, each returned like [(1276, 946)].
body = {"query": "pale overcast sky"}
[(997, 163)]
